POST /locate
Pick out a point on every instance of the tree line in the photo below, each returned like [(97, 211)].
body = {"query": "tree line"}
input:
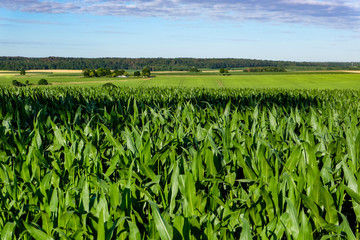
[(107, 72), (265, 69), (159, 64)]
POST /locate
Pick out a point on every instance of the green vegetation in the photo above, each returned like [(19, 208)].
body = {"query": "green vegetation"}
[(43, 82), (265, 69), (146, 72), (162, 64), (16, 83), (103, 72), (109, 85), (288, 80), (223, 70), (136, 74), (22, 72), (170, 163), (194, 70)]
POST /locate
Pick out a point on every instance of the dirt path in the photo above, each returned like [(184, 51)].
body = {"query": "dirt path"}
[(220, 83), (181, 83), (352, 71)]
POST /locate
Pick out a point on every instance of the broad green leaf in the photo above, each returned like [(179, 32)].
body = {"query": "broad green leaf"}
[(114, 142), (354, 195), (346, 228), (314, 209), (174, 187), (305, 231), (272, 121), (246, 231), (85, 196), (58, 138), (292, 224), (129, 141), (101, 226), (36, 233), (329, 204), (352, 184), (165, 230), (7, 231), (54, 201), (134, 231)]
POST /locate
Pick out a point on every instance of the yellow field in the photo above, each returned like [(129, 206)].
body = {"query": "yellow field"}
[(55, 71)]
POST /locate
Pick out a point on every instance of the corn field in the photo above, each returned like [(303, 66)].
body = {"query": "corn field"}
[(163, 163)]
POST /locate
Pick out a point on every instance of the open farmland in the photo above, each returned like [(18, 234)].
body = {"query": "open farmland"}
[(175, 163), (288, 80)]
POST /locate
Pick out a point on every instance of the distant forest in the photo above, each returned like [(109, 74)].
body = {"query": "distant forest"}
[(161, 64)]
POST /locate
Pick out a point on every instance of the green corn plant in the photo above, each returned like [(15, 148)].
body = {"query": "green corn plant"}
[(170, 163)]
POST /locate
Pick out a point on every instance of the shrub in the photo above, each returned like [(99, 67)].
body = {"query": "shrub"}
[(43, 82), (16, 83), (194, 69), (108, 85), (265, 69)]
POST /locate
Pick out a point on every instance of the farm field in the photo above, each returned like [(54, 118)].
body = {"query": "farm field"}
[(291, 80), (179, 163)]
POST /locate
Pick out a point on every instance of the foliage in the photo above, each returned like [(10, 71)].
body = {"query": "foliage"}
[(118, 72), (137, 74), (265, 69), (194, 69), (101, 72), (158, 64), (109, 85), (125, 163), (43, 82), (288, 80), (224, 71), (22, 72), (146, 72), (16, 83)]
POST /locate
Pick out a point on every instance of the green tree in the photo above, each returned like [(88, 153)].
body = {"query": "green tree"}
[(137, 74), (116, 73), (86, 72), (22, 72), (16, 83), (146, 72), (43, 82), (101, 72), (222, 70), (194, 69), (92, 73)]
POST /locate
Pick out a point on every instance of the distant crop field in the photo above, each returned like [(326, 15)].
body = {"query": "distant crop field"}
[(291, 80), (56, 71)]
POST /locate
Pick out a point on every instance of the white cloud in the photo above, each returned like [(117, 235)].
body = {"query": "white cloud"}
[(343, 14)]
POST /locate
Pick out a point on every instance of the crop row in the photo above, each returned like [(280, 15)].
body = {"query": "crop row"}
[(179, 164)]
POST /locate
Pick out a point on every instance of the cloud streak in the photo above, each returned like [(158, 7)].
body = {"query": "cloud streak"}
[(22, 43), (333, 13), (14, 20)]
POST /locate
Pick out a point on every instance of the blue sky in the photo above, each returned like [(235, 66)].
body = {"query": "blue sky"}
[(295, 30)]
